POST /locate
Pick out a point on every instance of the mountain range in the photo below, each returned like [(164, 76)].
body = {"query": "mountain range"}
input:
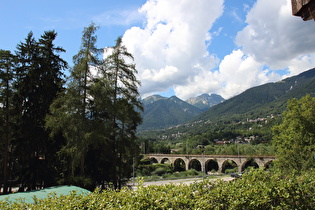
[(260, 101), (205, 101), (263, 100), (162, 112)]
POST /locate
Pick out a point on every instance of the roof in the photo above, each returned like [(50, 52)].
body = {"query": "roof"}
[(304, 8), (27, 197)]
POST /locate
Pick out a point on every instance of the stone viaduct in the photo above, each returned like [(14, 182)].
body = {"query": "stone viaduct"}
[(207, 163)]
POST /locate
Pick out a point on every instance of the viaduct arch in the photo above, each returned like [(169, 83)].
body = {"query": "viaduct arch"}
[(206, 163)]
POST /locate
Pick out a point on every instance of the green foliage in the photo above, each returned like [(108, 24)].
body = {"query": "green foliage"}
[(231, 170), (7, 116), (240, 149), (256, 189), (98, 114), (232, 117), (265, 99), (188, 173), (32, 80), (153, 169), (83, 133), (123, 110), (294, 138), (168, 112), (70, 111), (190, 147)]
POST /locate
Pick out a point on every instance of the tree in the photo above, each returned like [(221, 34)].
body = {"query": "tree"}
[(51, 82), (98, 114), (38, 81), (124, 109), (71, 114), (294, 138), (82, 76), (6, 121)]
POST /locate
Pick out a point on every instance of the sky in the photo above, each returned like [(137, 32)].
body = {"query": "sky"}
[(180, 47)]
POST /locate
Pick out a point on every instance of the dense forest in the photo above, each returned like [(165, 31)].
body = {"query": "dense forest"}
[(76, 130)]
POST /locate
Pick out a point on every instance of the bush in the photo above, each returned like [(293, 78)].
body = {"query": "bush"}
[(257, 189), (81, 181), (154, 169), (160, 171), (232, 170)]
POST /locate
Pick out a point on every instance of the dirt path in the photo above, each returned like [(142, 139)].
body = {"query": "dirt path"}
[(182, 181)]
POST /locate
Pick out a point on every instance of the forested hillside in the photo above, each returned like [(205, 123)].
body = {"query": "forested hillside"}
[(262, 100), (160, 113), (252, 112)]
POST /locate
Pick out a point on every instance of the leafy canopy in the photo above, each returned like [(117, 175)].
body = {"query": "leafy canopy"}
[(294, 138)]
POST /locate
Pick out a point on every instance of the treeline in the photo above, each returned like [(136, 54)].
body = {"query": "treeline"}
[(78, 130), (191, 147)]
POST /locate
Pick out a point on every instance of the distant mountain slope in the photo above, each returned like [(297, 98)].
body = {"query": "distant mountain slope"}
[(166, 112), (263, 100), (205, 101)]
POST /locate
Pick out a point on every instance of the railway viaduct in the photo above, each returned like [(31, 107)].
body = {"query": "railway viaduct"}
[(207, 163)]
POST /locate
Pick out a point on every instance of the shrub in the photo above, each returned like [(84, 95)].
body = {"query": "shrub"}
[(257, 189)]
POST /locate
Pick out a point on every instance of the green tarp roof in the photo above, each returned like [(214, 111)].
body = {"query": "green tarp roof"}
[(42, 194)]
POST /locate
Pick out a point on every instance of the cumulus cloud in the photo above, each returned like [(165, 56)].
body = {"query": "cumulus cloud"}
[(273, 36), (268, 43), (300, 64), (171, 49), (238, 72)]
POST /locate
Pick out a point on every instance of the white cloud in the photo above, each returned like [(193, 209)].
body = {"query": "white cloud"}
[(171, 50), (273, 36), (205, 82), (300, 64), (268, 43), (238, 72)]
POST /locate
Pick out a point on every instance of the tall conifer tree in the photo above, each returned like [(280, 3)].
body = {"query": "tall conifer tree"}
[(124, 109), (70, 112), (7, 64), (98, 114), (38, 81)]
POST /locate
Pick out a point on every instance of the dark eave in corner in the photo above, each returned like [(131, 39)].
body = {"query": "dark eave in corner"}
[(304, 9)]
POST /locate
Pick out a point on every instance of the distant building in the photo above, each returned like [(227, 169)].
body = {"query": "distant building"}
[(304, 9)]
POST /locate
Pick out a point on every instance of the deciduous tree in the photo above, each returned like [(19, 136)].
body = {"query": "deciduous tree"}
[(294, 138)]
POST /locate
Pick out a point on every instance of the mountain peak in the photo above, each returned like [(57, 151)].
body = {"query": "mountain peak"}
[(174, 98), (205, 101), (167, 112), (153, 98)]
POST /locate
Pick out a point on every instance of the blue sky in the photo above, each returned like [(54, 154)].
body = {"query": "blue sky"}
[(181, 47)]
